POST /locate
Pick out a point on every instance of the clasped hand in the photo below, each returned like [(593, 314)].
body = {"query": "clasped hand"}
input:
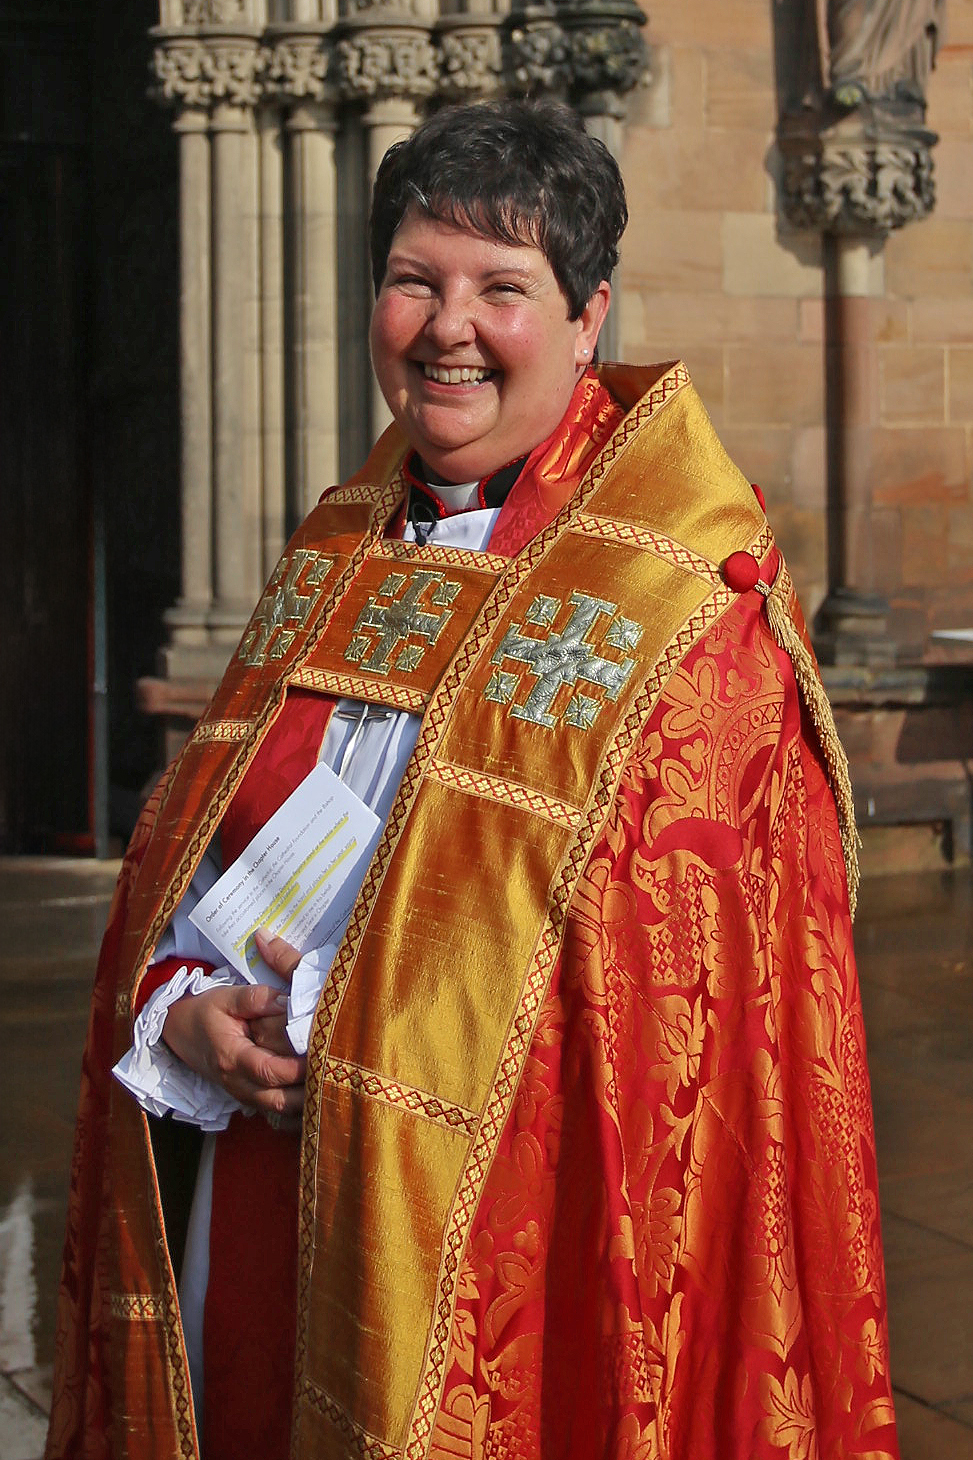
[(236, 1036)]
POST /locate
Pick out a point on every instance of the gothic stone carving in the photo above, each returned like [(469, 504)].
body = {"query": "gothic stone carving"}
[(856, 154), (538, 58), (193, 73), (594, 46), (297, 68), (879, 48), (859, 188), (470, 63), (608, 57), (374, 65), (212, 12), (210, 52)]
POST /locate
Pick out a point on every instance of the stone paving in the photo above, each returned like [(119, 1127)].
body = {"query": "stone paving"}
[(915, 947)]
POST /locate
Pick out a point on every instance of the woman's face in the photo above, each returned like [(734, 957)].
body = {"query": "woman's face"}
[(473, 347)]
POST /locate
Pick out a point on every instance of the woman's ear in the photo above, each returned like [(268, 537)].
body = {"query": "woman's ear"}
[(589, 322)]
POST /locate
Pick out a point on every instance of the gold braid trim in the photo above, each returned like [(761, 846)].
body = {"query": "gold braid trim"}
[(786, 634)]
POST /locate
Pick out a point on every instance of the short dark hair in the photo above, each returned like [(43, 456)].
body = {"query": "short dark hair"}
[(520, 171)]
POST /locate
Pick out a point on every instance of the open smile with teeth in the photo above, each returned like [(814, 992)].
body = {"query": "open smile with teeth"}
[(456, 374)]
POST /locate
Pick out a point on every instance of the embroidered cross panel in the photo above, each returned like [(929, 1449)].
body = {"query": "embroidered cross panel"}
[(285, 607), (401, 612), (563, 657)]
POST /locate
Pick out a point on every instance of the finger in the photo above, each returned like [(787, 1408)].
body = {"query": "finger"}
[(260, 1070), (283, 1109), (276, 952), (255, 1001), (271, 1034)]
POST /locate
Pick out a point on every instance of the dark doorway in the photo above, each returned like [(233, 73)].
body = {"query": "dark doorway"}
[(46, 639), (89, 444)]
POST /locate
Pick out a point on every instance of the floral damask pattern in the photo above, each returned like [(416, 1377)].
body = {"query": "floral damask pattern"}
[(677, 1254)]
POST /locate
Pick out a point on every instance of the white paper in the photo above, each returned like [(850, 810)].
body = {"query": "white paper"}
[(299, 876)]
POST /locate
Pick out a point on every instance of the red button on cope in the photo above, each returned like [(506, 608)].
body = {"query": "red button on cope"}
[(741, 572)]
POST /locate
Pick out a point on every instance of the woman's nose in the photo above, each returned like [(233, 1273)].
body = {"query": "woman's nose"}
[(451, 321)]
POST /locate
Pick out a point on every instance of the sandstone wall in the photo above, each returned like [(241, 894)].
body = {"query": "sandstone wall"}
[(711, 273)]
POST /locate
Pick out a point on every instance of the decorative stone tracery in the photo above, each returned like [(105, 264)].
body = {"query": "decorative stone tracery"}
[(283, 110), (856, 163)]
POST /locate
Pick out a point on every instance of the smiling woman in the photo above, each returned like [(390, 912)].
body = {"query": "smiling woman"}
[(580, 1162), (486, 261), (473, 345)]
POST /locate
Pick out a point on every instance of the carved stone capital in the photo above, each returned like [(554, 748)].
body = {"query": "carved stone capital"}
[(374, 65), (864, 179), (538, 58), (610, 56), (470, 62), (298, 67), (197, 73), (212, 12)]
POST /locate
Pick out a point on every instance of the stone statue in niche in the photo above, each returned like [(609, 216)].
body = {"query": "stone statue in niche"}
[(878, 49)]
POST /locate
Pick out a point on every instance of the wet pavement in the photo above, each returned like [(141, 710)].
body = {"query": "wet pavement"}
[(915, 950)]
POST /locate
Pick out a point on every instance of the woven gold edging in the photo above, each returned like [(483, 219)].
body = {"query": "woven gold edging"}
[(364, 495), (357, 687), (220, 730), (436, 553), (610, 529), (392, 1092), (136, 1307), (493, 788), (785, 632), (368, 1446)]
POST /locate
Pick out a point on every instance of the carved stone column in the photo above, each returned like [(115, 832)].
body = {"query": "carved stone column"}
[(592, 54), (856, 164), (311, 210), (609, 58), (206, 63), (299, 76), (187, 620), (387, 65)]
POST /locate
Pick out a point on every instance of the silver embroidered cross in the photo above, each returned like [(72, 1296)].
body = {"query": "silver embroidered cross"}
[(283, 609), (564, 658), (403, 618)]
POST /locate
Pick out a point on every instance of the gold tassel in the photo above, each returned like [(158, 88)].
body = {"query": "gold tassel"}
[(809, 683)]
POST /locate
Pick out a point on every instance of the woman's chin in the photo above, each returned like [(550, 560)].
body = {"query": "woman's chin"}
[(449, 445), (465, 462)]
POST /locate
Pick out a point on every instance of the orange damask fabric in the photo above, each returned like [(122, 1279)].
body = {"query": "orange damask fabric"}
[(677, 1256)]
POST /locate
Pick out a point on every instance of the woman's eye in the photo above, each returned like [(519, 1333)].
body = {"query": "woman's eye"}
[(414, 283), (505, 287)]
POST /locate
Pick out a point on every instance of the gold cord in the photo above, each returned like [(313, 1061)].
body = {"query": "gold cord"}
[(786, 634)]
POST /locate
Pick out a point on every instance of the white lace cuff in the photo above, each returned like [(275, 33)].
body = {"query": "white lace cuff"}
[(307, 981), (152, 1073)]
